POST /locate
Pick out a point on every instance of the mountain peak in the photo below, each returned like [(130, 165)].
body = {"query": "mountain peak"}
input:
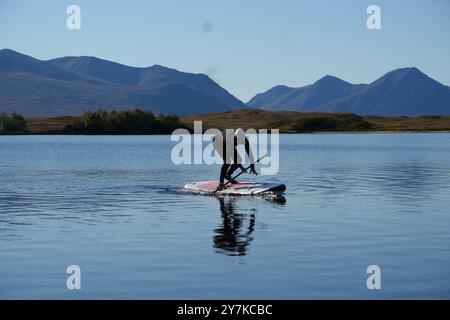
[(407, 76), (281, 86), (408, 70), (11, 53), (163, 69), (328, 77), (329, 80), (160, 67), (404, 91), (8, 51), (71, 84), (404, 72)]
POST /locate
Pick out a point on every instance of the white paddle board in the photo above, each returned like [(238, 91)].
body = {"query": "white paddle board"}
[(240, 188)]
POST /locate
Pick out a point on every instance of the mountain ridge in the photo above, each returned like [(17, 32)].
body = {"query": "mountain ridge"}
[(72, 85), (403, 91)]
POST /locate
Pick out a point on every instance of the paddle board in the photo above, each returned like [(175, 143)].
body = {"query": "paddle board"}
[(240, 188)]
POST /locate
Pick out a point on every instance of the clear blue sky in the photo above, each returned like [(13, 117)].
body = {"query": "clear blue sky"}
[(247, 46)]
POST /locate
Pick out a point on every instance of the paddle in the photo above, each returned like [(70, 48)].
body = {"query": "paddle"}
[(241, 172)]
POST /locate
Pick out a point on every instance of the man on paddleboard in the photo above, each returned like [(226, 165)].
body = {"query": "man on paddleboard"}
[(226, 146)]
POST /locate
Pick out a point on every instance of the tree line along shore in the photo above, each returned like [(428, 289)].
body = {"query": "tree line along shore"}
[(145, 122)]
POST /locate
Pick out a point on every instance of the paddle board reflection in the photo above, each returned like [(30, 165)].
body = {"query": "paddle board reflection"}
[(234, 234)]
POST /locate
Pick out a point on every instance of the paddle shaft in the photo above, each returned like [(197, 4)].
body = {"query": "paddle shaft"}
[(242, 172)]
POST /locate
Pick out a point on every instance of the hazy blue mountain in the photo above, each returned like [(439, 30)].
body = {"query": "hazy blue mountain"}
[(145, 78), (309, 97), (70, 85), (405, 91)]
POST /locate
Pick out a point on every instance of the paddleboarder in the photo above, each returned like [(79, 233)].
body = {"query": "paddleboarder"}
[(226, 146)]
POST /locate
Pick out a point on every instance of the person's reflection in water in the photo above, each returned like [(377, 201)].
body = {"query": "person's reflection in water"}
[(235, 233)]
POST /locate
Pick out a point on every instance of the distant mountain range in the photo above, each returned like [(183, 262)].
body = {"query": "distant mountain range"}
[(71, 85), (405, 91)]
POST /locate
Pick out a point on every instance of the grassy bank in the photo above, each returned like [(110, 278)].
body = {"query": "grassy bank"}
[(104, 122), (286, 121), (292, 121)]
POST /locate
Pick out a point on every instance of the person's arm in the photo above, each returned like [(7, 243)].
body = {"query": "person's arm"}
[(251, 158)]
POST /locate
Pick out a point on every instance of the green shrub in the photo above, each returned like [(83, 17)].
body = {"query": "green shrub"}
[(316, 124), (339, 122), (13, 123), (124, 122)]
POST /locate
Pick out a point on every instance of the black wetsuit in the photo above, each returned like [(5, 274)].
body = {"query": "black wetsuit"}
[(229, 168)]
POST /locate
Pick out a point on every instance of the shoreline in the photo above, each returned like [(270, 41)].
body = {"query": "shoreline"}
[(287, 122), (288, 133)]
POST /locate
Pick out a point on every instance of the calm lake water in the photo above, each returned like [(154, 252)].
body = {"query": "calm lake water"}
[(110, 205)]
